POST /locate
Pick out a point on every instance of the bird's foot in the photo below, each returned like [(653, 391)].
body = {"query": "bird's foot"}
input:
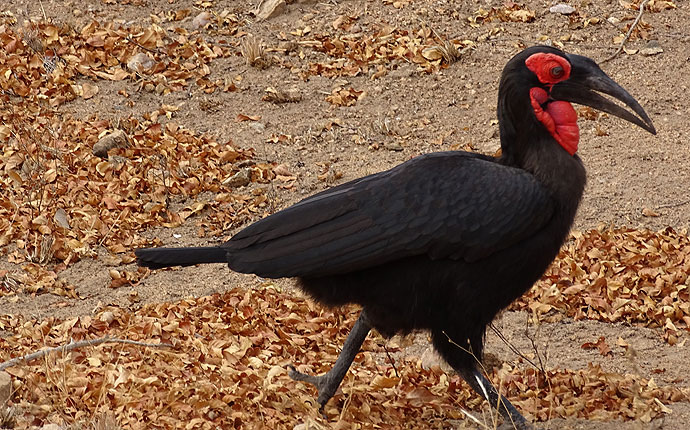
[(328, 383), (325, 385)]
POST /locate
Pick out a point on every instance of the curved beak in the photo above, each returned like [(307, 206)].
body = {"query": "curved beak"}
[(586, 78)]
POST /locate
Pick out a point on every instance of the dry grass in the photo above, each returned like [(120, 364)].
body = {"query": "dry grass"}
[(32, 39), (253, 52), (8, 417), (106, 421)]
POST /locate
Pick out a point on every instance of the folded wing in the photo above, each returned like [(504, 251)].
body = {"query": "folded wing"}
[(444, 205)]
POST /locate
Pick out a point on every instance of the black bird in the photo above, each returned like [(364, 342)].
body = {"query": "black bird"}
[(445, 241)]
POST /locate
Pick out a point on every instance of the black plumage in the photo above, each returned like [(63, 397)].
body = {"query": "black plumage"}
[(446, 240)]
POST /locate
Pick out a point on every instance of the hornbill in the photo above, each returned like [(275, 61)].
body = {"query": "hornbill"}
[(446, 240)]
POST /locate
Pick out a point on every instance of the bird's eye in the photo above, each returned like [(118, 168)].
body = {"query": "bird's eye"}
[(557, 72)]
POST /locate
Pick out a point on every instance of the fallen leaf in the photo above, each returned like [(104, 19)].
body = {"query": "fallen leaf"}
[(242, 117), (648, 212)]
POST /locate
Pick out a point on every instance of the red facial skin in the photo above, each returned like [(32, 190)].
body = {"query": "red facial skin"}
[(542, 65), (559, 117)]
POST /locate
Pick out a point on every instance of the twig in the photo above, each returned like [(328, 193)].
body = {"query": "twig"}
[(74, 345), (512, 347), (542, 366), (111, 229), (154, 51), (348, 401), (474, 419), (627, 36), (533, 342), (483, 369), (673, 205), (45, 17), (391, 360)]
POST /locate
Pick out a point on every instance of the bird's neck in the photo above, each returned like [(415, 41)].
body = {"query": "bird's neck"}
[(539, 154), (527, 144)]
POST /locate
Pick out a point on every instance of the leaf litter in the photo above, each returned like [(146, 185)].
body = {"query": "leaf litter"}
[(618, 275), (227, 368)]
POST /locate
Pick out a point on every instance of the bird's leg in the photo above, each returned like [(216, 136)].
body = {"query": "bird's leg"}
[(328, 383), (512, 419)]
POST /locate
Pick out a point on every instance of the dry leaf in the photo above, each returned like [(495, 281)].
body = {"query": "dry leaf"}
[(649, 212), (242, 117)]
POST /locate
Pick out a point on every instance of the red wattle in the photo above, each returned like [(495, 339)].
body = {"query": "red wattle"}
[(559, 118), (565, 117), (562, 112)]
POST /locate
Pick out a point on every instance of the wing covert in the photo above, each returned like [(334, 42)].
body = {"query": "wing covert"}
[(446, 205)]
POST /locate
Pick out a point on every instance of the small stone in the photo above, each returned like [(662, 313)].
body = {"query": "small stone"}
[(271, 8), (257, 127), (649, 212), (393, 146), (651, 48), (61, 218), (563, 9), (202, 20), (116, 139), (5, 387), (76, 12), (140, 62), (107, 317), (239, 179)]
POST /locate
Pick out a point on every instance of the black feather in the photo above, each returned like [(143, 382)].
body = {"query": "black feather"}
[(452, 205), (158, 258)]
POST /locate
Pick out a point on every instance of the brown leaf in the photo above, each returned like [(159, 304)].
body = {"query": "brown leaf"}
[(242, 117), (88, 91), (649, 212)]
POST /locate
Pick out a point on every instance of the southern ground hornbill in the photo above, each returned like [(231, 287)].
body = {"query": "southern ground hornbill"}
[(444, 241)]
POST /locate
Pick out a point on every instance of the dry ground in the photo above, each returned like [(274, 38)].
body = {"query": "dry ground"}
[(404, 113)]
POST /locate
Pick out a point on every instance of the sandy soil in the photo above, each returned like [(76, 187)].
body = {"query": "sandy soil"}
[(628, 170)]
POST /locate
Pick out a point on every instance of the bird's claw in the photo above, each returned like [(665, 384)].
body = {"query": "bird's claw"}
[(296, 375), (322, 383)]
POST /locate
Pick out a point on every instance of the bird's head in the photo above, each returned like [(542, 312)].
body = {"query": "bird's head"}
[(537, 87)]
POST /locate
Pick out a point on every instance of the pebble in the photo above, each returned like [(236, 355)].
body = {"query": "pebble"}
[(140, 62), (257, 127), (116, 139), (393, 146), (5, 387), (563, 9), (239, 179), (651, 48), (107, 317), (202, 20)]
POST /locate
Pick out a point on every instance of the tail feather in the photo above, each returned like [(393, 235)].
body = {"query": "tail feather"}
[(157, 258)]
